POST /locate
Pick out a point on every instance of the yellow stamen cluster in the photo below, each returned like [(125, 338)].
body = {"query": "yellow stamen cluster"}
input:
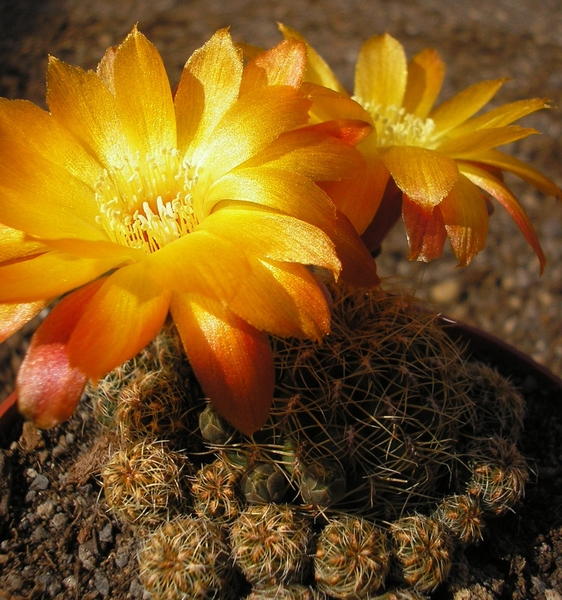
[(397, 127), (146, 203)]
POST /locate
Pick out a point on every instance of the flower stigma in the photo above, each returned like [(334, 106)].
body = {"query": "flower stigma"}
[(148, 203)]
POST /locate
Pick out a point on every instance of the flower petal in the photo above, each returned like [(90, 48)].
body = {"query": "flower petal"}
[(83, 103), (328, 105), (48, 275), (48, 386), (473, 142), (200, 263), (120, 320), (486, 181), (22, 122), (208, 87), (231, 359), (143, 96), (15, 316), (320, 152), (277, 189), (359, 198), (426, 72), (249, 126), (502, 115), (39, 196), (14, 244), (381, 72), (423, 175), (425, 230), (274, 236), (465, 216), (317, 69), (284, 299), (464, 105), (358, 266), (504, 162), (284, 64)]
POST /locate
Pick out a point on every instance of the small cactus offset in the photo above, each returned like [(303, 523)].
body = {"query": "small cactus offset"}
[(501, 408), (352, 558), (187, 559), (146, 482), (422, 551), (271, 545), (286, 592), (498, 474), (214, 489), (462, 516)]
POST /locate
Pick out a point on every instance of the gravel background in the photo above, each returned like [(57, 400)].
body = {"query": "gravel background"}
[(501, 291)]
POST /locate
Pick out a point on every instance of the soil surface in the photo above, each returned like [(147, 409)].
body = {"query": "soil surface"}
[(57, 537)]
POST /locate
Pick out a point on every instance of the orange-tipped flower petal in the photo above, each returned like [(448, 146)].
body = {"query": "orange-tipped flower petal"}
[(499, 191), (231, 359)]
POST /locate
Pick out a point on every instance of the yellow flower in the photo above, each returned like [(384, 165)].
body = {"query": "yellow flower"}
[(428, 163), (133, 202)]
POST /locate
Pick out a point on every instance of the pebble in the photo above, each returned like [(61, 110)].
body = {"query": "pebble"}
[(59, 520), (39, 534), (40, 482), (122, 559), (102, 583), (70, 582), (86, 556), (46, 509), (106, 534), (447, 291)]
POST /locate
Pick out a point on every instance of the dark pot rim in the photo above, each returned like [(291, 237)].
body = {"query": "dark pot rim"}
[(483, 345)]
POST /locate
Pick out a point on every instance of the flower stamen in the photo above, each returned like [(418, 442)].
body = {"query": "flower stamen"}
[(147, 203), (397, 127)]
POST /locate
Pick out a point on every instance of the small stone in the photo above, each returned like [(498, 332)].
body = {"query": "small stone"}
[(46, 509), (39, 534), (122, 559), (136, 589), (106, 534), (59, 520), (70, 582), (59, 450), (101, 583), (40, 482), (86, 556), (447, 291)]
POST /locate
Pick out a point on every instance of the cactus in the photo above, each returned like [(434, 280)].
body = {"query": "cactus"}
[(422, 550), (270, 545), (462, 516), (143, 483), (352, 558), (153, 396), (187, 559), (214, 489), (378, 407), (385, 420), (498, 474), (501, 408), (286, 592)]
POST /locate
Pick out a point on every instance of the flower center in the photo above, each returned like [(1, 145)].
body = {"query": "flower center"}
[(147, 202), (397, 127)]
